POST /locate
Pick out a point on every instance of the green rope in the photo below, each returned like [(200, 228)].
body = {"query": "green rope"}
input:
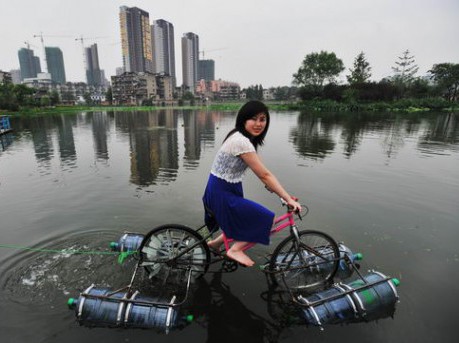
[(122, 255)]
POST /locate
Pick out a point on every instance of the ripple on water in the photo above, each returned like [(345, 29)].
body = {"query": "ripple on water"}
[(44, 277)]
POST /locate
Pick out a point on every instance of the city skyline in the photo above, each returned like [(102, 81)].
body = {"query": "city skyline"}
[(259, 42)]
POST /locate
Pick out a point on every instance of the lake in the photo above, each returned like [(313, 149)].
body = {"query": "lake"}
[(387, 185)]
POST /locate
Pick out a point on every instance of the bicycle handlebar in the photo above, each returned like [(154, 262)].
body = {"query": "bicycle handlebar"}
[(284, 203)]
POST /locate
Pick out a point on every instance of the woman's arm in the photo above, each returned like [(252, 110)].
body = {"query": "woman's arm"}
[(268, 178)]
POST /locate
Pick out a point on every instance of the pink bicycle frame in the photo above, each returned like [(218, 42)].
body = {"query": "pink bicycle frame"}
[(285, 220)]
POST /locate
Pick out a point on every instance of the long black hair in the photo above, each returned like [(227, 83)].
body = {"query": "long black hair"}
[(248, 111)]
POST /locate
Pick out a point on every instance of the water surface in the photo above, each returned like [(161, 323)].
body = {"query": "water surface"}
[(385, 184)]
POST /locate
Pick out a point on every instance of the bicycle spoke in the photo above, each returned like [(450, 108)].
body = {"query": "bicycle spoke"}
[(171, 249), (308, 260)]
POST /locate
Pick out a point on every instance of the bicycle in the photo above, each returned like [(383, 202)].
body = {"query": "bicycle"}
[(304, 260)]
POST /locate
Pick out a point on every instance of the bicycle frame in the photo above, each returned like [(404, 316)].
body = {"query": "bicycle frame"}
[(280, 223)]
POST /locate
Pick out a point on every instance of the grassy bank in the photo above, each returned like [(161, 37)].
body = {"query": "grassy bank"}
[(403, 105)]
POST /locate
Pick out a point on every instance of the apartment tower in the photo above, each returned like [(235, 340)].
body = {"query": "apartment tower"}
[(93, 72), (135, 40), (28, 63), (55, 62), (206, 70), (190, 57), (162, 39)]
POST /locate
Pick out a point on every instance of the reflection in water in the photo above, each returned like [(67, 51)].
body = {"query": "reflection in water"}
[(6, 140), (66, 140), (199, 128), (442, 131), (314, 136), (226, 317), (100, 130), (154, 146), (156, 138), (42, 140)]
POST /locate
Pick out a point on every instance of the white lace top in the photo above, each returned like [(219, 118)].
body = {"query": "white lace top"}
[(227, 164)]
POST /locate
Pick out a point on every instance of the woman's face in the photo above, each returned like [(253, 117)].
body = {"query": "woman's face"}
[(256, 125)]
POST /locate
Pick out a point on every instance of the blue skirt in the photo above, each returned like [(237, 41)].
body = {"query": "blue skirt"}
[(240, 219)]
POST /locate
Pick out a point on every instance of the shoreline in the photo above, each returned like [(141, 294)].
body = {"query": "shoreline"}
[(405, 105)]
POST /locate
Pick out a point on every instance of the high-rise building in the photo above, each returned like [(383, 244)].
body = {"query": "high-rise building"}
[(93, 73), (135, 40), (206, 70), (162, 39), (28, 63), (190, 57), (55, 62)]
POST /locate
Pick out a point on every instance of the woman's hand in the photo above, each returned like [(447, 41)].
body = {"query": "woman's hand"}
[(294, 205)]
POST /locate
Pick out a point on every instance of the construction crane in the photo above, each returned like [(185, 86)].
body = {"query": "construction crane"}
[(41, 35), (28, 45), (204, 51), (82, 39)]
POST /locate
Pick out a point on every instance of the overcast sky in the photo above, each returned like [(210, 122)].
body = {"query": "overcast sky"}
[(251, 41)]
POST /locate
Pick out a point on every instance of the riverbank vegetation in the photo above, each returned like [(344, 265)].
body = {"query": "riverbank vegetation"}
[(403, 91), (315, 88)]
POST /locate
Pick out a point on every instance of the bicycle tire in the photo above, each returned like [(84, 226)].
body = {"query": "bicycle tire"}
[(162, 245), (307, 263)]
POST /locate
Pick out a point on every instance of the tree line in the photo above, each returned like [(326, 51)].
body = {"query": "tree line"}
[(318, 73), (317, 79)]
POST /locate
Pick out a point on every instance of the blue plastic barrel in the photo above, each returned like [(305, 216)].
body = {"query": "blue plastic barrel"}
[(345, 270), (128, 242), (337, 307), (99, 311), (373, 297), (377, 301), (147, 316), (100, 307)]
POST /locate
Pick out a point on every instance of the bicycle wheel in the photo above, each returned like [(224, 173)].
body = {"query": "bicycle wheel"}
[(169, 252), (306, 262)]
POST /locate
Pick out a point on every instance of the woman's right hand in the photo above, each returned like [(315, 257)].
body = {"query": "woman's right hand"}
[(293, 204)]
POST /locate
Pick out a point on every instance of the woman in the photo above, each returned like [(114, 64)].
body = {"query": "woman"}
[(241, 219)]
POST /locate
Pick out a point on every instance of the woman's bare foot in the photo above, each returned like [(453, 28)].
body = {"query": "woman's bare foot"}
[(241, 257), (214, 244)]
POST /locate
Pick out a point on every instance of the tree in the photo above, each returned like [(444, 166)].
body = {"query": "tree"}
[(318, 68), (446, 76), (23, 94), (361, 71), (405, 69), (254, 92), (8, 100), (109, 95), (45, 101), (54, 97), (87, 98), (68, 97), (188, 96)]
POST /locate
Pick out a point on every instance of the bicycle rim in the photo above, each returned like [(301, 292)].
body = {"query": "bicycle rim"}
[(306, 263), (169, 252)]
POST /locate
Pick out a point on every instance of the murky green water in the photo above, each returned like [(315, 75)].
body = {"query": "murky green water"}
[(387, 185)]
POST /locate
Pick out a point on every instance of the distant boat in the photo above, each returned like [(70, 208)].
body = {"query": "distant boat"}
[(5, 125)]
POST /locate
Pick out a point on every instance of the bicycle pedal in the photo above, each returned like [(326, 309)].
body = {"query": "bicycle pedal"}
[(229, 265)]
